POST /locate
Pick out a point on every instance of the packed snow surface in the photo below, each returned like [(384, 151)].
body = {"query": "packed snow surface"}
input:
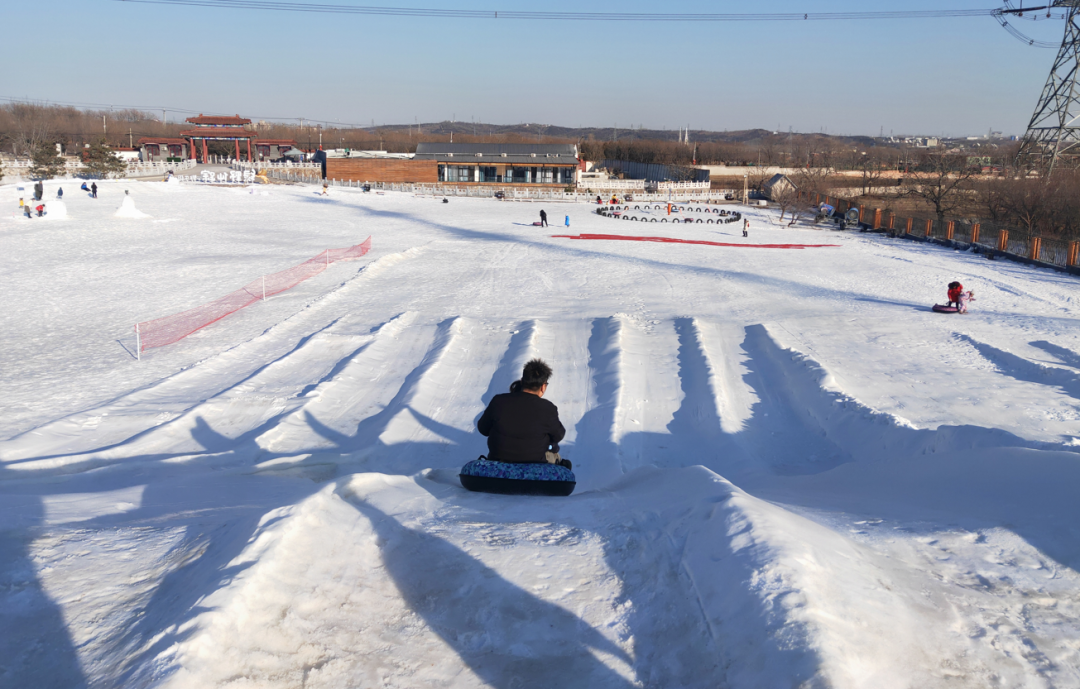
[(790, 472)]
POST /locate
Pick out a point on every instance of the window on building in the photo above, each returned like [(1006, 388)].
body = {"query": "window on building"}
[(263, 149), (153, 150), (176, 150), (488, 174)]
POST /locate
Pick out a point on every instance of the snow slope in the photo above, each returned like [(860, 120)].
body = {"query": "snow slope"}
[(791, 473)]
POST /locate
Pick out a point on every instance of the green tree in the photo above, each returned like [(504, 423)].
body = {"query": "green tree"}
[(45, 162), (100, 161)]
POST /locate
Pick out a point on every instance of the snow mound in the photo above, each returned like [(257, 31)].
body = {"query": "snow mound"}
[(128, 210)]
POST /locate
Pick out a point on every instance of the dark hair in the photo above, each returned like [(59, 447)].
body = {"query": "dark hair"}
[(954, 285), (534, 376)]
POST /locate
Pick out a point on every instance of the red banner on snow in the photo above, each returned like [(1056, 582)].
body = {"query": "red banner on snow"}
[(163, 331), (672, 240)]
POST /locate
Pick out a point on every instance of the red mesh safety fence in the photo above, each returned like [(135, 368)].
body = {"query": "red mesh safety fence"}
[(163, 331)]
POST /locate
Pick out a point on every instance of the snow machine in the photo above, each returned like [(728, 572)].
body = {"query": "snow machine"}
[(486, 476), (940, 308)]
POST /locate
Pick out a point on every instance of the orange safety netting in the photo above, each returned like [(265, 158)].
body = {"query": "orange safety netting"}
[(163, 331)]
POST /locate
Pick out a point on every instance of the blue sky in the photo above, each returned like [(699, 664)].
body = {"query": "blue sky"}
[(926, 76)]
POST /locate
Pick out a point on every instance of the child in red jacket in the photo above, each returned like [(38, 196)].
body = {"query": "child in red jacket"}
[(955, 290)]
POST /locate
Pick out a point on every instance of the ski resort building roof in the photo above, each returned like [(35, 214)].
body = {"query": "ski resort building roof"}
[(216, 121)]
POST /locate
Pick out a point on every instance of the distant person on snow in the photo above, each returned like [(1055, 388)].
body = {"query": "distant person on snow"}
[(955, 290), (85, 188), (93, 190), (325, 189), (746, 228), (40, 210), (59, 192), (521, 426), (39, 191), (543, 219), (599, 201)]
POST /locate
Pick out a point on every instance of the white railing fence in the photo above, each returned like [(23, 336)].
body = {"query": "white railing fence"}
[(686, 193), (265, 165), (612, 184), (74, 168)]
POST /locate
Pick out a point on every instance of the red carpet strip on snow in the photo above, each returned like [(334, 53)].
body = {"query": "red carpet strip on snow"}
[(672, 240)]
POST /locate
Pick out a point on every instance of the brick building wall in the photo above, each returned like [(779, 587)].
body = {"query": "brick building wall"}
[(382, 170)]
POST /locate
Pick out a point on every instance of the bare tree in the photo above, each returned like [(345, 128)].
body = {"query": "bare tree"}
[(872, 170), (941, 180), (814, 180), (786, 196)]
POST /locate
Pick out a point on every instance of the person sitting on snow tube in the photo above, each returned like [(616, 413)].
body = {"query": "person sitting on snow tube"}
[(521, 426), (523, 432), (955, 290)]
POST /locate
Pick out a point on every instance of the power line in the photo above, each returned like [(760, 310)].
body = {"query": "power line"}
[(566, 16), (318, 8)]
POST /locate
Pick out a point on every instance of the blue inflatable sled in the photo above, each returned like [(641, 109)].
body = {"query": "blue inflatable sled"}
[(485, 476)]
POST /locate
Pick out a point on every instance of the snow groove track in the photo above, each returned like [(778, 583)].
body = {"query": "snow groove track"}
[(140, 410), (657, 572)]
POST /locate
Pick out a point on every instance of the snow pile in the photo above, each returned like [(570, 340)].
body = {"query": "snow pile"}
[(127, 209), (790, 472)]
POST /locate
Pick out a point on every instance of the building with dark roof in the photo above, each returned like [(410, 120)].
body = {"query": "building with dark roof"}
[(550, 164), (162, 148)]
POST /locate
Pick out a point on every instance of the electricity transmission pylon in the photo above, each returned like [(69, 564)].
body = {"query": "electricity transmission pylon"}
[(1054, 131)]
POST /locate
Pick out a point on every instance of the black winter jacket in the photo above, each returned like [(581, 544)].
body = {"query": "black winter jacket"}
[(519, 427)]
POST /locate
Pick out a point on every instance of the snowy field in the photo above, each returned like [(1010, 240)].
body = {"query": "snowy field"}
[(790, 472)]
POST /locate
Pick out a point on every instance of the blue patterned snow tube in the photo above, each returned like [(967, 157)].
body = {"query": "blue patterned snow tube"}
[(517, 479)]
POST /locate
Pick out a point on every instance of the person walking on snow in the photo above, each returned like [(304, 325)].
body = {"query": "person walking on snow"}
[(39, 191), (543, 218), (746, 227), (521, 426), (93, 190), (59, 192)]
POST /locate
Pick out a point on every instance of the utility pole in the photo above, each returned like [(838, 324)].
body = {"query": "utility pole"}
[(746, 188), (1054, 130), (130, 145), (104, 127)]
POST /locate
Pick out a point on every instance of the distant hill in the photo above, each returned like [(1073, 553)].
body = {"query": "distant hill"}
[(549, 132)]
